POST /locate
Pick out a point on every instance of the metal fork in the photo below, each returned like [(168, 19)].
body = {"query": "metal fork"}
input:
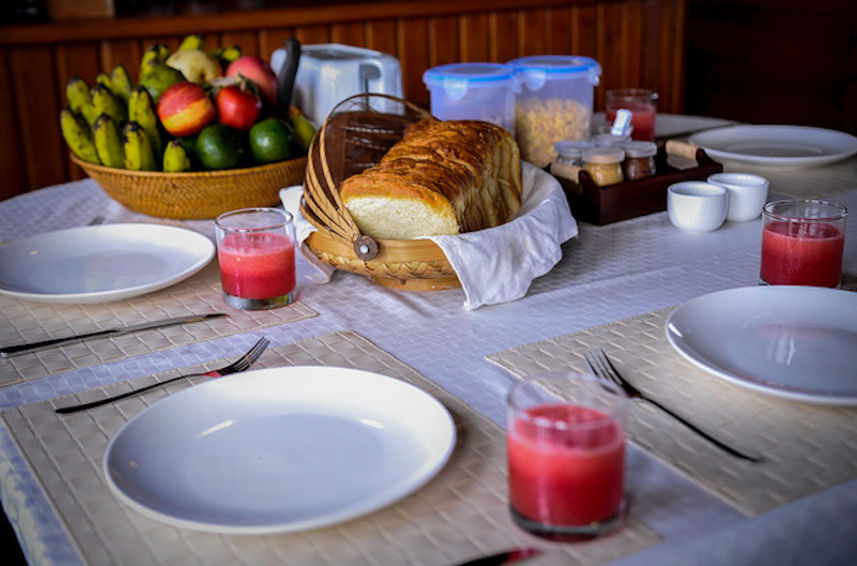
[(241, 364), (604, 369)]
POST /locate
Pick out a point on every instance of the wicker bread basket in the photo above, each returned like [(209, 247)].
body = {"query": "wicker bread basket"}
[(199, 195), (356, 134)]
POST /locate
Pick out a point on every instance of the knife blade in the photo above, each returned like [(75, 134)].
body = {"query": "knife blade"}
[(9, 351), (506, 557)]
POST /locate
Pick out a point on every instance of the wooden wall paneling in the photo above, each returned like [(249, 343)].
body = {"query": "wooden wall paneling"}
[(558, 31), (413, 57), (473, 37), (443, 40), (632, 27), (583, 30), (115, 51), (38, 109), (348, 33), (532, 36), (312, 34), (13, 175), (272, 39), (502, 36), (248, 40), (609, 46), (674, 45), (78, 60), (381, 36)]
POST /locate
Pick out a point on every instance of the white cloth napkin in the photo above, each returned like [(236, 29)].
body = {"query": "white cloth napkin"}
[(498, 264)]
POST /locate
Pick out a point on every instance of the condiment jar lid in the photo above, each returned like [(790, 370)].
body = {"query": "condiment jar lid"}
[(603, 155), (639, 148), (572, 148)]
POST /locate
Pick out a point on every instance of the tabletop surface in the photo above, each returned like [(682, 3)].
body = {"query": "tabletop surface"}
[(607, 274)]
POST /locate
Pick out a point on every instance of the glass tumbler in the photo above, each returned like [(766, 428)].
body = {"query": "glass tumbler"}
[(803, 242), (641, 102), (256, 253), (566, 456)]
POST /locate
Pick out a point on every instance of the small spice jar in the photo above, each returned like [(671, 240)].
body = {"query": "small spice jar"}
[(604, 165), (570, 152), (639, 159)]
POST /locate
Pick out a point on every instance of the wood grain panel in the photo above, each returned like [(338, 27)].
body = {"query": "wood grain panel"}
[(248, 40), (114, 51), (532, 36), (473, 37), (350, 33), (272, 39), (503, 36), (558, 31), (413, 57), (44, 151), (443, 40), (13, 176), (313, 34), (81, 60), (381, 36)]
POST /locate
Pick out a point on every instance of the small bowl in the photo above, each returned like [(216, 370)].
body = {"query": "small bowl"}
[(697, 206), (747, 194)]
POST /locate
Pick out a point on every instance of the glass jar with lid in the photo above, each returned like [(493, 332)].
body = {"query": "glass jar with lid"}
[(639, 159), (604, 165), (570, 152)]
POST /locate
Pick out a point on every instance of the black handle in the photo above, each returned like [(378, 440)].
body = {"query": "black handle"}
[(288, 71), (99, 402)]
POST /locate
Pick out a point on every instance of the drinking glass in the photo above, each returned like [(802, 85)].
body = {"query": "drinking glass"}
[(641, 102), (803, 242), (256, 253), (566, 456)]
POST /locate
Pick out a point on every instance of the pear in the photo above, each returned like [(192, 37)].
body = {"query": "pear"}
[(196, 65), (159, 79)]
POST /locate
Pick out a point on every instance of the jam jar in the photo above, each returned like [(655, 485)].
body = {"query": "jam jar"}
[(639, 159), (604, 165)]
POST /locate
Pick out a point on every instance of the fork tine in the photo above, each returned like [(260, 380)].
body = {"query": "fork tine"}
[(607, 367), (247, 359)]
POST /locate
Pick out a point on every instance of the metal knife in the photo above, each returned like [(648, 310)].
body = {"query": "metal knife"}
[(507, 557), (9, 351)]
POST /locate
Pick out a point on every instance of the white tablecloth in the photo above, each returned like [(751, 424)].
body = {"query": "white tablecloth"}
[(607, 273)]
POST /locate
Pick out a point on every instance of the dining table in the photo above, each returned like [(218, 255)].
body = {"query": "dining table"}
[(614, 287)]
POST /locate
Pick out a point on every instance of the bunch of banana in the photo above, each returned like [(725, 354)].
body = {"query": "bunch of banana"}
[(153, 56)]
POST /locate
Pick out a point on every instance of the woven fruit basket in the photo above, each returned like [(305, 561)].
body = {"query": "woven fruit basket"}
[(197, 195), (356, 134)]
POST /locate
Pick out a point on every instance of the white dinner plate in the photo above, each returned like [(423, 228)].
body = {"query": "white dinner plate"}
[(793, 342), (99, 264), (780, 146), (279, 450)]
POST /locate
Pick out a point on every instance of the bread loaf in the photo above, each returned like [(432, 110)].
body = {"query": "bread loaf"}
[(442, 177)]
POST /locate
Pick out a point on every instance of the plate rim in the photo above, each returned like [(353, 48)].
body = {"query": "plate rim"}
[(280, 527), (204, 255), (757, 384), (700, 138)]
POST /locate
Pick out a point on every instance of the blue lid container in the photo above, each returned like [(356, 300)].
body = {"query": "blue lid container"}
[(473, 91)]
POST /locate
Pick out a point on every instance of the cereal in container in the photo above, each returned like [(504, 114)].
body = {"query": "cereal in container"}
[(554, 103)]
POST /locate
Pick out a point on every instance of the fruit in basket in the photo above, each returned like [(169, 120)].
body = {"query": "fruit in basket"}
[(108, 145), (226, 55), (77, 136), (196, 65), (185, 109), (259, 71), (271, 140), (192, 41), (141, 109), (220, 147), (136, 149), (122, 83), (238, 106), (176, 158), (152, 57), (106, 103), (80, 100), (159, 79)]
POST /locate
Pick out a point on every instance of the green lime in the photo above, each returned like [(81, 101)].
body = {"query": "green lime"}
[(220, 147), (271, 140)]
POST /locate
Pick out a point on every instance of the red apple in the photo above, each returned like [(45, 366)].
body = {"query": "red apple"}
[(257, 70), (238, 107), (185, 109)]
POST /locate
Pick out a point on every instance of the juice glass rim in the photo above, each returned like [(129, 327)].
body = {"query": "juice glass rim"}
[(287, 218), (610, 415), (630, 93), (768, 211)]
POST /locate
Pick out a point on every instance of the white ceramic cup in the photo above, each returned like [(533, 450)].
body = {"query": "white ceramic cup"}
[(747, 194), (697, 206)]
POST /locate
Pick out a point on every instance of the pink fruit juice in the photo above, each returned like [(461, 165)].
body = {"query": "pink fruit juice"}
[(566, 477), (257, 266), (642, 118), (802, 253)]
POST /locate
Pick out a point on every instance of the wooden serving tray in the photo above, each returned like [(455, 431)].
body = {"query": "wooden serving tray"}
[(629, 199)]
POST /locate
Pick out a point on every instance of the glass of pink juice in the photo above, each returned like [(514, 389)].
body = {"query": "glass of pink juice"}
[(256, 253), (566, 455), (641, 102), (803, 242)]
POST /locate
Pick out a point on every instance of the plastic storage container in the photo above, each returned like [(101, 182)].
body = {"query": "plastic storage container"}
[(554, 102), (473, 91)]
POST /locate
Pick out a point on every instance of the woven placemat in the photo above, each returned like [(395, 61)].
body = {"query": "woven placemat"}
[(26, 321), (806, 448), (460, 513)]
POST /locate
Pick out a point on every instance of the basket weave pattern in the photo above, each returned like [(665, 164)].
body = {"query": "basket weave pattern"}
[(354, 137), (196, 195)]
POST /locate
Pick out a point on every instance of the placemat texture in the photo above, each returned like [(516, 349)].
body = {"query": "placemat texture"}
[(26, 321), (806, 447), (460, 513)]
